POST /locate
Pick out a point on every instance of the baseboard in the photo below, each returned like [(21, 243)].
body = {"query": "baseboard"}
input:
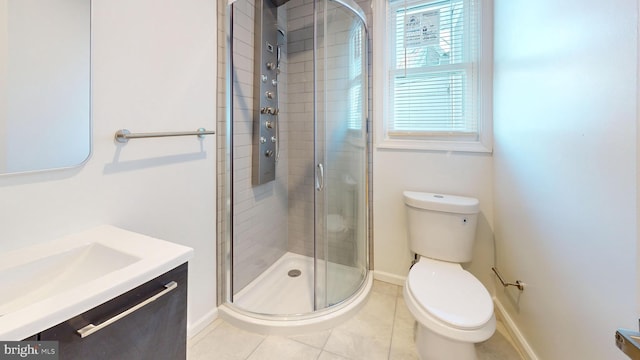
[(197, 326), (520, 342), (388, 277)]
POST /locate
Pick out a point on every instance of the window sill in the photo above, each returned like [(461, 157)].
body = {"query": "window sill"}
[(435, 145)]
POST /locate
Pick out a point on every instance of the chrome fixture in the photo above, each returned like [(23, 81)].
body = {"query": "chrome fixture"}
[(91, 328), (519, 284), (265, 117), (628, 341), (320, 178), (123, 135)]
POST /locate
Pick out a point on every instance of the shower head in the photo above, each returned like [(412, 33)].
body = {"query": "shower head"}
[(279, 2)]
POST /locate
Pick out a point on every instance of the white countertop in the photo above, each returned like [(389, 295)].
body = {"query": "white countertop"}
[(143, 258)]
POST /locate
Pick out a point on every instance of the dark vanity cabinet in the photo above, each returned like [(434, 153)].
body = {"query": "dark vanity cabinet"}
[(148, 322)]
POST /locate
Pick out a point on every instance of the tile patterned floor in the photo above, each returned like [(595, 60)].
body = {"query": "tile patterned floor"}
[(383, 329)]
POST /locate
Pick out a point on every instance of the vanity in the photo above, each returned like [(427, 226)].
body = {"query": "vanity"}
[(105, 293)]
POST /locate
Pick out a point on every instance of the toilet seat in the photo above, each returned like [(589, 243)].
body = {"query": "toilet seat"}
[(450, 294), (336, 223)]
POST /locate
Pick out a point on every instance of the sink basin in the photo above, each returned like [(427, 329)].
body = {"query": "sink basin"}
[(36, 280), (46, 284)]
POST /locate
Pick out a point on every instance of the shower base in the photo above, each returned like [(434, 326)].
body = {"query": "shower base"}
[(291, 298)]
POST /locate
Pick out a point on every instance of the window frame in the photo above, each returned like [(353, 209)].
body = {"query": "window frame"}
[(382, 106)]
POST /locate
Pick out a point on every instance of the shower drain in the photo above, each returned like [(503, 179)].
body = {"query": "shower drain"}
[(294, 273)]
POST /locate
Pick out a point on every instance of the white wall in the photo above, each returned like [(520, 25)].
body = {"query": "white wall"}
[(4, 58), (465, 174), (638, 166), (565, 171), (153, 70)]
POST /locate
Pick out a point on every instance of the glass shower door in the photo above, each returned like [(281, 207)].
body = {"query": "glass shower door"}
[(341, 153)]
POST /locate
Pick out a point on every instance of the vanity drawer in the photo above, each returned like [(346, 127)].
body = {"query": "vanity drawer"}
[(150, 323)]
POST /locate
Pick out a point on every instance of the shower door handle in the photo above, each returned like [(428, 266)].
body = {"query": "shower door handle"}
[(320, 178)]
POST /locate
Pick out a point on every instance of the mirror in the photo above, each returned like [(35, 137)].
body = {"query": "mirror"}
[(45, 82)]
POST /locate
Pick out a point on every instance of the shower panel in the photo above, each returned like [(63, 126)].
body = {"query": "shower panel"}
[(267, 67)]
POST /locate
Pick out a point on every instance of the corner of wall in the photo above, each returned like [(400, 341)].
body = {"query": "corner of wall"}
[(195, 327), (389, 278), (519, 342)]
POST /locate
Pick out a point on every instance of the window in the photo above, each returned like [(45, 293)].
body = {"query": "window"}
[(436, 95), (356, 59)]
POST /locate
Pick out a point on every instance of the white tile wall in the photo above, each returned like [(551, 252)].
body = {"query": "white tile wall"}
[(301, 146), (260, 212)]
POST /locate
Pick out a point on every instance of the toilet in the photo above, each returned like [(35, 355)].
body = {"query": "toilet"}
[(452, 307)]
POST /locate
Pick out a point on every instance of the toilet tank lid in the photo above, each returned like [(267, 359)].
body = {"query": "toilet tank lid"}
[(442, 202)]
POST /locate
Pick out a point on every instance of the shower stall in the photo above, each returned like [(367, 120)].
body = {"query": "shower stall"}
[(294, 199)]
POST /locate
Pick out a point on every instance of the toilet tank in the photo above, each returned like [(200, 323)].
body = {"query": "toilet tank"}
[(440, 226)]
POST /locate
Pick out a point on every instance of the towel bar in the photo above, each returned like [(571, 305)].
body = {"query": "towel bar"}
[(123, 135)]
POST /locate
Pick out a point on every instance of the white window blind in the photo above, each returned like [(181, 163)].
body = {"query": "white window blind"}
[(356, 59), (433, 69)]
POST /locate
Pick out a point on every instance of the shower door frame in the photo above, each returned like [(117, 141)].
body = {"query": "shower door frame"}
[(225, 195), (321, 152)]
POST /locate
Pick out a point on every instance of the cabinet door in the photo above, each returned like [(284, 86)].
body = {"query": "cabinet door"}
[(155, 331)]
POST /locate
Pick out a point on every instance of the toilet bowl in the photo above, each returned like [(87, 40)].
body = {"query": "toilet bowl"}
[(336, 224), (453, 309)]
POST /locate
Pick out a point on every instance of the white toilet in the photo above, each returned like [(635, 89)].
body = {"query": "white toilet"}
[(453, 309)]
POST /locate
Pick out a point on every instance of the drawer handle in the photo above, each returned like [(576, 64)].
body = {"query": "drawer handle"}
[(90, 329)]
